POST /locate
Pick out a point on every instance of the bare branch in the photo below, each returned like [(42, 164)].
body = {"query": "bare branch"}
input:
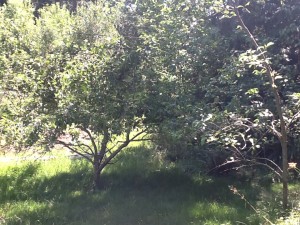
[(138, 134), (74, 150), (82, 145), (282, 134), (294, 118), (274, 130), (122, 146), (270, 161), (238, 151), (91, 138), (253, 162), (143, 139)]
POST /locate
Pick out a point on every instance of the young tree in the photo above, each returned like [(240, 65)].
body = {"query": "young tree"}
[(71, 73), (282, 132), (272, 111)]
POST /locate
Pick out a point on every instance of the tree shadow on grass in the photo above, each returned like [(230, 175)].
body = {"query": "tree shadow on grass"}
[(134, 193), (25, 183), (171, 197)]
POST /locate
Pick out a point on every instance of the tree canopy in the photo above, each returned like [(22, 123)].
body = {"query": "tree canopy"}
[(183, 71)]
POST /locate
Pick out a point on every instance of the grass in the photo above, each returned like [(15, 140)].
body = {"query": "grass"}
[(140, 188)]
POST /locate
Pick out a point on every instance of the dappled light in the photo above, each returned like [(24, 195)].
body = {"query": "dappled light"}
[(141, 112), (133, 193)]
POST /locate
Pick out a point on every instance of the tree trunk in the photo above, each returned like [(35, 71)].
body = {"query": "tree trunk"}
[(96, 178), (282, 133), (284, 171)]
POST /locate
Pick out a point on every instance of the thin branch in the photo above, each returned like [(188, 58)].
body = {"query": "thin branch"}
[(249, 161), (278, 103), (110, 149), (138, 134), (91, 138), (236, 192), (270, 161), (143, 139), (268, 68), (82, 145), (295, 117), (274, 131), (122, 146), (238, 151), (268, 166), (245, 143), (74, 150)]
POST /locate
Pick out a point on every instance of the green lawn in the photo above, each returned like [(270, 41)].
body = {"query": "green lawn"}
[(140, 188)]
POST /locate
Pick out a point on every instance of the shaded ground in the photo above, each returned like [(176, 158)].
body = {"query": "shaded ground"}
[(138, 189)]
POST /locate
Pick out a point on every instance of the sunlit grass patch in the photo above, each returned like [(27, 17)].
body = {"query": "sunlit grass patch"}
[(214, 212), (292, 219), (139, 188), (294, 192)]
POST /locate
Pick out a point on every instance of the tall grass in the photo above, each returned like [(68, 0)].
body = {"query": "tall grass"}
[(140, 188)]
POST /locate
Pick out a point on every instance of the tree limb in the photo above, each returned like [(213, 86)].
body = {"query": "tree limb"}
[(122, 146), (74, 150), (91, 138)]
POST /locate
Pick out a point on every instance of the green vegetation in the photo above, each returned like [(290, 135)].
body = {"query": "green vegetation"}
[(213, 85), (139, 189)]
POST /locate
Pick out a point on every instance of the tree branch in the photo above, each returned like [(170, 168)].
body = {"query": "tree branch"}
[(294, 118), (282, 134), (91, 138), (253, 162), (122, 146), (87, 146), (74, 150)]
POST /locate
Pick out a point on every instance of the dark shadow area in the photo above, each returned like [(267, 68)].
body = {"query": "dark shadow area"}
[(17, 182), (23, 183), (134, 193), (2, 2)]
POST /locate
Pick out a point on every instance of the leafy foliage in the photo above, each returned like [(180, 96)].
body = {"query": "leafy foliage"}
[(107, 72), (74, 73)]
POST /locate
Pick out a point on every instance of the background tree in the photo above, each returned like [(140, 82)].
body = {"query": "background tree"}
[(269, 109), (180, 68)]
